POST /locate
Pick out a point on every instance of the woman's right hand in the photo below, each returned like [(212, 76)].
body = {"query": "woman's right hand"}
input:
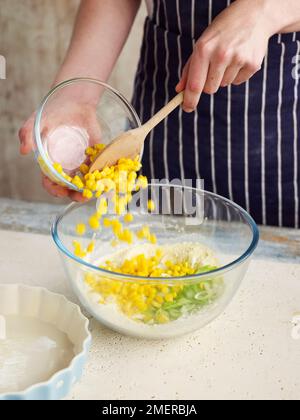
[(73, 114)]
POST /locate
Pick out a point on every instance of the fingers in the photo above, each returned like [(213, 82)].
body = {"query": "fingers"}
[(217, 69), (26, 137), (54, 189), (77, 196), (182, 84), (230, 74), (213, 65), (61, 192), (197, 76), (246, 73)]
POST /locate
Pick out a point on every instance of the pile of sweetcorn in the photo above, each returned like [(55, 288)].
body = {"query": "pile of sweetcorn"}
[(120, 182), (151, 302), (154, 302)]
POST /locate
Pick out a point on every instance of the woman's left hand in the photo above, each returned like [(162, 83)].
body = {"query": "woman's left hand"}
[(230, 51)]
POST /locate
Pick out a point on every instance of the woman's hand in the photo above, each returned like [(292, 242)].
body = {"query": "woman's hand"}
[(230, 51), (70, 114), (94, 35)]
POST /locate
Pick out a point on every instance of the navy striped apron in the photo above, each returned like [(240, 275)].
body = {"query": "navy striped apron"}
[(244, 140)]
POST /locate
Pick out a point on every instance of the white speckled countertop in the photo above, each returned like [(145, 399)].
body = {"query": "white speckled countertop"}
[(250, 352)]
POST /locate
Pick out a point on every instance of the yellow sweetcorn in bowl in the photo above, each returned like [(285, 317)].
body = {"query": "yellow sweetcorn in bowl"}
[(74, 115), (168, 266)]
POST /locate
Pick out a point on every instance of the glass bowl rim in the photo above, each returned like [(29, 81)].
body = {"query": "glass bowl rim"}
[(40, 111), (129, 278)]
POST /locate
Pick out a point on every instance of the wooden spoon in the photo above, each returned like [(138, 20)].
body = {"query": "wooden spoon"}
[(129, 144)]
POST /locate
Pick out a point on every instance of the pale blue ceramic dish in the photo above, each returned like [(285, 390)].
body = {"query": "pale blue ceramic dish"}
[(24, 301)]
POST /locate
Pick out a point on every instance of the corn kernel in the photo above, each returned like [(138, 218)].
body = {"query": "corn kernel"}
[(87, 194), (58, 168), (84, 169), (153, 239), (94, 222), (91, 247), (91, 185), (159, 299), (90, 151), (80, 229), (99, 147), (117, 229), (98, 194), (128, 218), (106, 223), (78, 251), (151, 205), (169, 298), (142, 182), (67, 177), (77, 182), (127, 236)]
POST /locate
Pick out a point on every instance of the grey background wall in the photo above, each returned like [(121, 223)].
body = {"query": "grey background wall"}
[(34, 35)]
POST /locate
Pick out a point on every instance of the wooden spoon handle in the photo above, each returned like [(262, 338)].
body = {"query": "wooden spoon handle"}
[(164, 112)]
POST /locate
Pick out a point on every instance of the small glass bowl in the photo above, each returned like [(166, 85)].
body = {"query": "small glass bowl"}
[(184, 215), (73, 115)]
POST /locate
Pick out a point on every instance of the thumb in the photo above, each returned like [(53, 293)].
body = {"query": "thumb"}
[(26, 137), (183, 81)]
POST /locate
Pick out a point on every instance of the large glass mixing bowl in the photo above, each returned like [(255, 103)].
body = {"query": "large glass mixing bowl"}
[(184, 215)]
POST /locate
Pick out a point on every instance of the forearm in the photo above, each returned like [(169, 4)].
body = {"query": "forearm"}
[(284, 15), (101, 30)]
